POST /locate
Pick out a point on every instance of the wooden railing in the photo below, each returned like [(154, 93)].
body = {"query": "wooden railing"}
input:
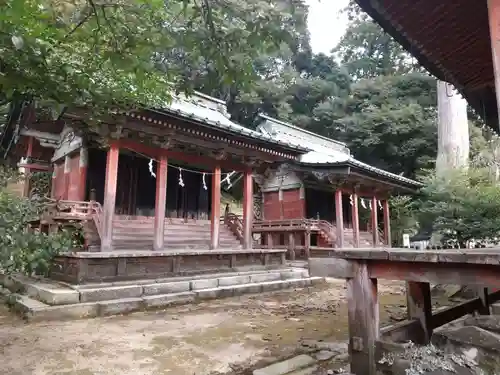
[(327, 231), (97, 213), (235, 224), (59, 210)]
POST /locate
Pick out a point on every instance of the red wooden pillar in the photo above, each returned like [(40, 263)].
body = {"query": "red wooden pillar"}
[(339, 217), (247, 209), (67, 170), (215, 214), (494, 22), (54, 181), (387, 223), (83, 173), (27, 170), (374, 222), (109, 197), (160, 203), (355, 219)]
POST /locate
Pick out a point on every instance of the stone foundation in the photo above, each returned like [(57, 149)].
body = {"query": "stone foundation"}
[(86, 267)]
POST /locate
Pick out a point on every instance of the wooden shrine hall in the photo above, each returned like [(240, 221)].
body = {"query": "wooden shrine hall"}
[(149, 183), (151, 180), (325, 198)]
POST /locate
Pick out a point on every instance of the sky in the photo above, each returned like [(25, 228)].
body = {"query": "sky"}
[(325, 24)]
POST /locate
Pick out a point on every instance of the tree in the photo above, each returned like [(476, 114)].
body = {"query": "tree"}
[(367, 51), (390, 122), (101, 53), (462, 205), (453, 129), (22, 251)]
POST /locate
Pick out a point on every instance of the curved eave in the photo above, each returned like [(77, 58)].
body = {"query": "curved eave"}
[(249, 134), (360, 169)]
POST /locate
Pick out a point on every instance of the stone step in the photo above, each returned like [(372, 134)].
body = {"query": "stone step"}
[(169, 287), (53, 293), (35, 311), (288, 366)]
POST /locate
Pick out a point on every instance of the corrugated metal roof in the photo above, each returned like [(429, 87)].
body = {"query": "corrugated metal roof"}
[(323, 151), (213, 112)]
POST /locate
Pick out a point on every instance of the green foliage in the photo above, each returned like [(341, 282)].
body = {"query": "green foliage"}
[(20, 250), (40, 184), (367, 51), (462, 205), (403, 218), (124, 53)]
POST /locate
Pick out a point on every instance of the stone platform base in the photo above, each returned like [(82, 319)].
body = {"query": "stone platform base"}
[(44, 299), (88, 267)]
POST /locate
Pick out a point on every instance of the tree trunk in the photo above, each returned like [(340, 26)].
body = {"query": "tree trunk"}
[(453, 130), (453, 142)]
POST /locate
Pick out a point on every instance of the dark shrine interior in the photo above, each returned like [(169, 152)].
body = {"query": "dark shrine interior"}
[(136, 186)]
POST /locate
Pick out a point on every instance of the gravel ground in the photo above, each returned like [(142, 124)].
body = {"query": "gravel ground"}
[(214, 337)]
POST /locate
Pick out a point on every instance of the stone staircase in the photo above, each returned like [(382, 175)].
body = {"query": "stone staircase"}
[(49, 300), (179, 234)]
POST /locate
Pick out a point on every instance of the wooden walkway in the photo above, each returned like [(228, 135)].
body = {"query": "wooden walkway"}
[(363, 267)]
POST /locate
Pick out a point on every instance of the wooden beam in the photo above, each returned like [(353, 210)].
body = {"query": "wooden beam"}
[(215, 214), (339, 218), (155, 152), (480, 275), (355, 219), (331, 267), (247, 208), (364, 320), (160, 203), (418, 296), (109, 197), (494, 23)]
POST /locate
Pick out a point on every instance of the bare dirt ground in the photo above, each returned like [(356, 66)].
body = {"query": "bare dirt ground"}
[(213, 337)]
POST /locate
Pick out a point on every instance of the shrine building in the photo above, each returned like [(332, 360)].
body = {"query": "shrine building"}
[(147, 184)]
